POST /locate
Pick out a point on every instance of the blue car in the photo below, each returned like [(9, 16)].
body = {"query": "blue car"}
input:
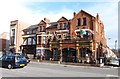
[(12, 61)]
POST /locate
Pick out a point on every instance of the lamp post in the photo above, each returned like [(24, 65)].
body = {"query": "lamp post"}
[(109, 38), (115, 44)]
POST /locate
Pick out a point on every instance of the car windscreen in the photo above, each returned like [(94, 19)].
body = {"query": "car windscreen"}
[(20, 57), (9, 57)]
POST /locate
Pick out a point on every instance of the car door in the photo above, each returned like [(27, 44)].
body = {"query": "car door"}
[(3, 60), (0, 61)]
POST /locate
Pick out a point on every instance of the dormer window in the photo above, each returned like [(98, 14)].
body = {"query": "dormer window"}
[(40, 28), (84, 21), (60, 25), (79, 22)]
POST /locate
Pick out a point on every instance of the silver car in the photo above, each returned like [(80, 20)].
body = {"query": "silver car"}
[(114, 62)]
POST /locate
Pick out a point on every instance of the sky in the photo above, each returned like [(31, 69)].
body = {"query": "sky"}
[(33, 11)]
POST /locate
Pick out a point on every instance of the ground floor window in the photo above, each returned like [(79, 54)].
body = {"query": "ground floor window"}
[(85, 52), (69, 55), (56, 54)]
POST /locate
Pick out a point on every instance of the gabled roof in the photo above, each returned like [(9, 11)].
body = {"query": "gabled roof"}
[(86, 13), (83, 12), (42, 21), (62, 18)]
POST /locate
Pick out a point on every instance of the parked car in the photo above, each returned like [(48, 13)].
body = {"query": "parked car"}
[(114, 62), (12, 61), (28, 59)]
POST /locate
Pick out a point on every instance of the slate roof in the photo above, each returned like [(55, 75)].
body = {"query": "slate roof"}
[(31, 27), (52, 25)]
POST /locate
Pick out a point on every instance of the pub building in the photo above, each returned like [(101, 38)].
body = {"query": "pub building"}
[(79, 39)]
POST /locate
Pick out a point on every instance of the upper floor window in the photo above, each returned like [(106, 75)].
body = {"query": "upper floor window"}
[(39, 39), (30, 32), (29, 41), (65, 25), (44, 40), (34, 31), (40, 28), (84, 21), (59, 36), (79, 22), (33, 41), (60, 25), (13, 32)]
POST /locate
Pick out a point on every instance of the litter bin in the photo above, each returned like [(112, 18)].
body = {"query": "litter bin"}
[(101, 61)]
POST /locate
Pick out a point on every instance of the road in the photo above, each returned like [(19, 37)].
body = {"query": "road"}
[(35, 69)]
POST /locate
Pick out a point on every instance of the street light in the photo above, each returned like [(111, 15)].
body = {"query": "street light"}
[(115, 44), (109, 40)]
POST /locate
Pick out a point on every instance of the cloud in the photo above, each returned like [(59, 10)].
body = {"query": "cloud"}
[(16, 9), (109, 16)]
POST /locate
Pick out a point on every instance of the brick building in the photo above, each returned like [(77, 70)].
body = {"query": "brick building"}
[(16, 39), (4, 42), (79, 38)]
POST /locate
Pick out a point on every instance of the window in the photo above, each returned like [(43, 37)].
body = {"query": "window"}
[(65, 25), (33, 41), (43, 52), (13, 32), (34, 31), (40, 28), (25, 42), (60, 25), (29, 41), (12, 40), (38, 51), (39, 39), (30, 32), (84, 21), (44, 40), (59, 36), (79, 23), (83, 52)]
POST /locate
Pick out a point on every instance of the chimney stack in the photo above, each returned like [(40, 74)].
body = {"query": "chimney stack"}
[(46, 20), (74, 14)]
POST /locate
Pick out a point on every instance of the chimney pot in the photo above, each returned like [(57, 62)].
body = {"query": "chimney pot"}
[(74, 14), (44, 19)]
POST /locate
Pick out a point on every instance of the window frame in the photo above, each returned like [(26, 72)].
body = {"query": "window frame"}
[(40, 28), (65, 25), (84, 21), (60, 25), (79, 21)]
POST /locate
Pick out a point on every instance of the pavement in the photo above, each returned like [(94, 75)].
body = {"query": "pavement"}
[(65, 64)]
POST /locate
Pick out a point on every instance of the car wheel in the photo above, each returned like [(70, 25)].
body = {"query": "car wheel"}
[(10, 66)]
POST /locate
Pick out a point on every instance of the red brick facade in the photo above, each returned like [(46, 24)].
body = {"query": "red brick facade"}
[(79, 38)]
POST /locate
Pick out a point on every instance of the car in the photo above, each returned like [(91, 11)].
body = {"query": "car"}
[(114, 62), (28, 59), (13, 61), (119, 61)]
